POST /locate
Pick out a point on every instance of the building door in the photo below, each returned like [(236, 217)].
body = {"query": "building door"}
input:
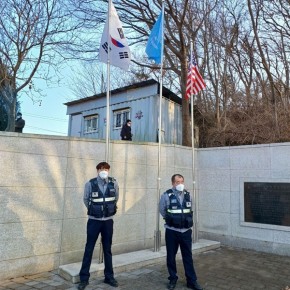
[(76, 125)]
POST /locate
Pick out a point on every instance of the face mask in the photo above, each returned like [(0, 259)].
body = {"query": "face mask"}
[(180, 187), (103, 174)]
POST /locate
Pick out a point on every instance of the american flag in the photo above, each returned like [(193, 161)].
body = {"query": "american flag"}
[(195, 82)]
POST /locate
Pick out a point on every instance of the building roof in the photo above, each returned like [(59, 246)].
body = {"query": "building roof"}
[(166, 92)]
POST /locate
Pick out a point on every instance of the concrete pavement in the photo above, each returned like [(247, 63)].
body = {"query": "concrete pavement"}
[(131, 260), (222, 268)]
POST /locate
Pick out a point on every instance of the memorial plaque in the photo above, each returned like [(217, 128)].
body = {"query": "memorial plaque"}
[(267, 203)]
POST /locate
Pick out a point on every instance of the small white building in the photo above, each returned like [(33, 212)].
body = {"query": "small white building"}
[(138, 102)]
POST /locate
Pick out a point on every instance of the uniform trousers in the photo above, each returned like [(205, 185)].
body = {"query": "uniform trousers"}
[(173, 240), (94, 228)]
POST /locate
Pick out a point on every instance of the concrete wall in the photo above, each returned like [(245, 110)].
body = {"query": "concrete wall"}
[(43, 219), (220, 181), (42, 216)]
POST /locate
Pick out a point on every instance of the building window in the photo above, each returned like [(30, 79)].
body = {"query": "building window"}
[(91, 124), (120, 117)]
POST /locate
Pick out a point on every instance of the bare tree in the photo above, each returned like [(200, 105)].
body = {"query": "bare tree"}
[(276, 15), (3, 106), (34, 36), (183, 21), (265, 63), (90, 79), (247, 63)]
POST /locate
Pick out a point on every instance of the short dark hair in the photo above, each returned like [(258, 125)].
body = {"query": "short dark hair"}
[(174, 175), (103, 165), (128, 121)]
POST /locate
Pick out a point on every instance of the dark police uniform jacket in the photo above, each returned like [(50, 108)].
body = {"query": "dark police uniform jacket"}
[(178, 215), (102, 205)]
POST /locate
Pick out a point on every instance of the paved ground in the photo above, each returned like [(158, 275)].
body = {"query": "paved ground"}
[(225, 268)]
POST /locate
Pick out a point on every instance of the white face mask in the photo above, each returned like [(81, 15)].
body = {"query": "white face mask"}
[(103, 174), (180, 187)]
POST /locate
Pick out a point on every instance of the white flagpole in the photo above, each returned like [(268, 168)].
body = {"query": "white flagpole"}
[(157, 234), (195, 217), (107, 153), (108, 89)]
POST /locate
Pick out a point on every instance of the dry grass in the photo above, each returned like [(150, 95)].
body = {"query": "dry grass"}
[(245, 127)]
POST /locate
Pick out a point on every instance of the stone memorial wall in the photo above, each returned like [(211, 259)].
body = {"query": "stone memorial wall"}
[(242, 195)]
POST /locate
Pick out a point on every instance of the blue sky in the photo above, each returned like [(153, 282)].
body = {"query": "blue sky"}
[(49, 117)]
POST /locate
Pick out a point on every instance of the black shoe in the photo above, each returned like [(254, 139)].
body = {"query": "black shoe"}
[(171, 285), (194, 285), (111, 281), (82, 285)]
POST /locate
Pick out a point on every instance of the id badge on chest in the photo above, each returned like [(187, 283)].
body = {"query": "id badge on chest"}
[(95, 194)]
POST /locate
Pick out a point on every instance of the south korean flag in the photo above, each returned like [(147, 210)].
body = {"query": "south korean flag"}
[(114, 45)]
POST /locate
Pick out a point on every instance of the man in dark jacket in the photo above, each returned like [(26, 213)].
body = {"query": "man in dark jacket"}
[(176, 208), (19, 123), (126, 131), (100, 197)]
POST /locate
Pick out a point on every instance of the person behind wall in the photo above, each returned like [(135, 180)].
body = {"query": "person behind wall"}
[(126, 131), (100, 197), (19, 123), (176, 208)]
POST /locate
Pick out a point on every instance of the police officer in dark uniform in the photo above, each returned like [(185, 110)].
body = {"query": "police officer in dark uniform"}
[(19, 123), (126, 131), (100, 197), (176, 208)]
